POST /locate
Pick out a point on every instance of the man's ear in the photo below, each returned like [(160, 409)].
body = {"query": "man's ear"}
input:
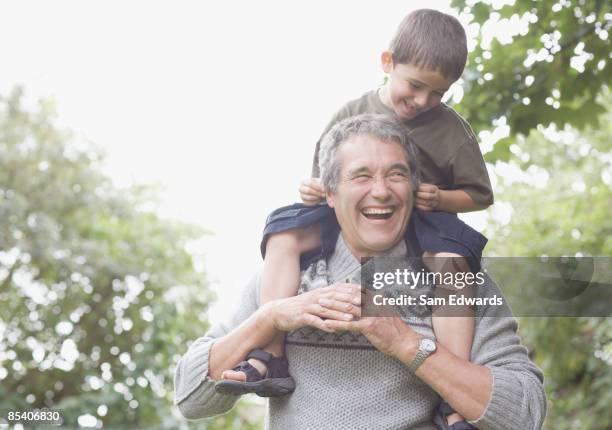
[(329, 197), (386, 61)]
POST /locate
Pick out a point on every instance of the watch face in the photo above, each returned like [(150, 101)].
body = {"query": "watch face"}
[(428, 345)]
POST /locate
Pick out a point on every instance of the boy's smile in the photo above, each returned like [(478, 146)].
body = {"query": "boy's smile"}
[(411, 90)]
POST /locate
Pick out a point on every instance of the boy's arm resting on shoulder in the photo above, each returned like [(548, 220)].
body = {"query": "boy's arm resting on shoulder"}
[(517, 397), (194, 379), (471, 178), (458, 201)]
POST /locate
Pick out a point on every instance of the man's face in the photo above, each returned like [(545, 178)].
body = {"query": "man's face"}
[(410, 90), (374, 197)]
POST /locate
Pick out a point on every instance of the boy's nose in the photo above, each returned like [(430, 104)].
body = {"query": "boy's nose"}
[(420, 100)]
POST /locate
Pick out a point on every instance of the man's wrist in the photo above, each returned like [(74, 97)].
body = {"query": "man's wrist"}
[(265, 319), (408, 348)]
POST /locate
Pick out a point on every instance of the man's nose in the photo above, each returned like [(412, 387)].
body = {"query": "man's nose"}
[(380, 188)]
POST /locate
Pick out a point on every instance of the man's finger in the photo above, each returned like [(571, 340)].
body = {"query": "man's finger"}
[(336, 325), (344, 293), (353, 297), (341, 306), (323, 312), (345, 288), (316, 322), (339, 296)]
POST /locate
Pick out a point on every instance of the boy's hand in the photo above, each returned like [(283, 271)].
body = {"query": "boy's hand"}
[(428, 197), (312, 192)]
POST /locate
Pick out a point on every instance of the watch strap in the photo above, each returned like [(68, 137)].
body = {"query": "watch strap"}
[(420, 356)]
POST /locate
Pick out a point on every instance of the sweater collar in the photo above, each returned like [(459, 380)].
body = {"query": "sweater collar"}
[(344, 265)]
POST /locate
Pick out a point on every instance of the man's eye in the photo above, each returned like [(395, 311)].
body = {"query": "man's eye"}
[(398, 175), (361, 177)]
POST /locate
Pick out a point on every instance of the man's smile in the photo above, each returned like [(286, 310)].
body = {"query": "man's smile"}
[(378, 213)]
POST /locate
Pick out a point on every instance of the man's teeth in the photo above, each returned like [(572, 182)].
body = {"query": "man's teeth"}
[(373, 211)]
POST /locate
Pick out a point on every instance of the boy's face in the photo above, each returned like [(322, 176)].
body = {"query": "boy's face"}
[(411, 90)]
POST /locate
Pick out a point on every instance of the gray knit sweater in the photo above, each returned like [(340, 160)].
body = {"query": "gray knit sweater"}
[(343, 382)]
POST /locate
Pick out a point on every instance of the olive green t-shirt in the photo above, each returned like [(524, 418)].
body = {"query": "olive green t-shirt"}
[(447, 148)]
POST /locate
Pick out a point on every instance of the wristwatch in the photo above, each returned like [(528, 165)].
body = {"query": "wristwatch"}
[(427, 346)]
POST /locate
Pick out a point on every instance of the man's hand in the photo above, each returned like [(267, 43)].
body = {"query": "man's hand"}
[(389, 334), (305, 309), (312, 192), (428, 197)]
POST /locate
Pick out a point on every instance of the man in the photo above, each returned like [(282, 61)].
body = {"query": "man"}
[(371, 372)]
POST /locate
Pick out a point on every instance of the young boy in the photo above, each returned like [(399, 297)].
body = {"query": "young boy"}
[(427, 54)]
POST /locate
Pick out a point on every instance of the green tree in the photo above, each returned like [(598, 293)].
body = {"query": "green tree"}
[(541, 71), (560, 204), (99, 296), (535, 62)]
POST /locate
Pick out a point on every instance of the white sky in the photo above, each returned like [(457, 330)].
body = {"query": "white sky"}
[(219, 102)]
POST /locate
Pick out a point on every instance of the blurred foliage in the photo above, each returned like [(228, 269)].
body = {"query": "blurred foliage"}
[(99, 296), (547, 65), (546, 89), (558, 202)]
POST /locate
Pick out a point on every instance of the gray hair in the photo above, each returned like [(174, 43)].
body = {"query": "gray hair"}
[(383, 127)]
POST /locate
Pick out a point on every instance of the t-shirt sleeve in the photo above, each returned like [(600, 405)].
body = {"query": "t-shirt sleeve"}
[(343, 113), (470, 173)]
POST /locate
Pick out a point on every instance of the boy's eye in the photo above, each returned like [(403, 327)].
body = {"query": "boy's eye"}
[(415, 85)]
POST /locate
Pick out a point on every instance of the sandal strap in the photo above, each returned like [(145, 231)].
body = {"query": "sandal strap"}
[(261, 355), (445, 409), (252, 374), (278, 367)]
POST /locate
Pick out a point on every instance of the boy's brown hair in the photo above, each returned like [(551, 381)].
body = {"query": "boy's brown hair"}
[(431, 40)]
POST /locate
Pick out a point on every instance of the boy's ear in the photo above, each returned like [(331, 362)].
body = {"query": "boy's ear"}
[(386, 61)]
